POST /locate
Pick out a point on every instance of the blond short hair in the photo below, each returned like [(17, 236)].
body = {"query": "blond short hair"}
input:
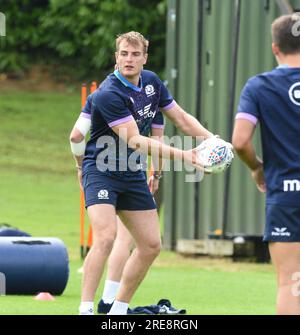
[(133, 38), (285, 33)]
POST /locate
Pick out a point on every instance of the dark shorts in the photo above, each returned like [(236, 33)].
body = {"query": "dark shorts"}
[(132, 195), (282, 224)]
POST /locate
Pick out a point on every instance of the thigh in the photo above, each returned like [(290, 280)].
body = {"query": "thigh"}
[(103, 219), (286, 259), (143, 226)]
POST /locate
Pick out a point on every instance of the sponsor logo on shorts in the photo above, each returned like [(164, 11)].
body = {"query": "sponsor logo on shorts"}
[(280, 232), (103, 195)]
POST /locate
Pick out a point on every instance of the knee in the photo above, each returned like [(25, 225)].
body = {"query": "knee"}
[(151, 249), (104, 244)]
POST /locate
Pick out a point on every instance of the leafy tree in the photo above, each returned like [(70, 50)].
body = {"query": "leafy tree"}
[(79, 34), (24, 41)]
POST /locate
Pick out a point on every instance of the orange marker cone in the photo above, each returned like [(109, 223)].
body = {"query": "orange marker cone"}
[(44, 296)]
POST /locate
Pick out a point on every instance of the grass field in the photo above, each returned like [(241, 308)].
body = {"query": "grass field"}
[(39, 194)]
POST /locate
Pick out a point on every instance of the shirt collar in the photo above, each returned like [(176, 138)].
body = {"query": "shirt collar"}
[(126, 83), (282, 66)]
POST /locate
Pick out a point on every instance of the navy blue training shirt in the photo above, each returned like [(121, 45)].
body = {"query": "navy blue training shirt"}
[(273, 100), (117, 101)]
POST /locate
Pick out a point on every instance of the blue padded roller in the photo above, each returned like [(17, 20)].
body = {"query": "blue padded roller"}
[(32, 265)]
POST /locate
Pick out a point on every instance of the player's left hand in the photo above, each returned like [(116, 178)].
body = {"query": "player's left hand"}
[(190, 157)]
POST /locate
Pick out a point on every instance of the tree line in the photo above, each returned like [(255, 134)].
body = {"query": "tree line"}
[(77, 36)]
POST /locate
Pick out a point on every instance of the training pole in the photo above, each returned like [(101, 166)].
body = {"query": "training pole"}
[(90, 232), (82, 212)]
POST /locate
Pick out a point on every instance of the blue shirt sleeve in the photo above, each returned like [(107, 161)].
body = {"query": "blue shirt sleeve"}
[(166, 98), (158, 121), (248, 103), (112, 107)]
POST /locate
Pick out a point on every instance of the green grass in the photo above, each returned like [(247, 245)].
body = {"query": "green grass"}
[(39, 194), (34, 131)]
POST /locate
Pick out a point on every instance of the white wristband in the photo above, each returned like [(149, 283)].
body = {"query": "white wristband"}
[(78, 148)]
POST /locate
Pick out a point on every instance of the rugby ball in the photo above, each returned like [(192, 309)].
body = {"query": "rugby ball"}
[(215, 155)]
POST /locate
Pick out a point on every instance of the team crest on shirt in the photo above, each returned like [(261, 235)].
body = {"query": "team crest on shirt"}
[(294, 93), (149, 90)]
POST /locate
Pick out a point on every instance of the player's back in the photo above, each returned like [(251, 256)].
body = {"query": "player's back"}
[(277, 94)]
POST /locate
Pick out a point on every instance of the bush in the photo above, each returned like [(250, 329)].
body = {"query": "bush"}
[(24, 40), (79, 34)]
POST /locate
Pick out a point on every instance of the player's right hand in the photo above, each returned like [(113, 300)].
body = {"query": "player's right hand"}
[(258, 176)]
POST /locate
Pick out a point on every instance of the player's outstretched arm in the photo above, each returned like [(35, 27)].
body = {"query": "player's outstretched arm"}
[(129, 133)]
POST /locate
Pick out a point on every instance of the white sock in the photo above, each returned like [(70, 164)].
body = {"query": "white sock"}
[(118, 308), (110, 291), (86, 308)]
